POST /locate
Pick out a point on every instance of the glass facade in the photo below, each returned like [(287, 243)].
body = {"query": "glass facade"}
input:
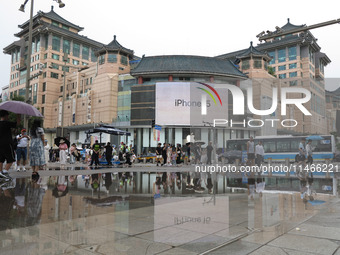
[(56, 43), (66, 46), (292, 53), (281, 55), (112, 58), (272, 54), (76, 50)]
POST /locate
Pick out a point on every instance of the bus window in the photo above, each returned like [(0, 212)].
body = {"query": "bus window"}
[(269, 146), (283, 146), (294, 145)]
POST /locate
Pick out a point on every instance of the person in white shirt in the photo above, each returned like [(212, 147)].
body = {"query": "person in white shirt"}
[(21, 150), (259, 153)]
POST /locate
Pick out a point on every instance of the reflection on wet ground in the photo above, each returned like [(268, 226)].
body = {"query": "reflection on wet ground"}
[(162, 213)]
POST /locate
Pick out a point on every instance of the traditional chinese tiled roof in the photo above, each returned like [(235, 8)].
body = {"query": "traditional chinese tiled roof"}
[(253, 52), (115, 46), (182, 64), (53, 16)]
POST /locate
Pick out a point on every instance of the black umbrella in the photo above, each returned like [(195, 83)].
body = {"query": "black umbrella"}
[(57, 141), (108, 130)]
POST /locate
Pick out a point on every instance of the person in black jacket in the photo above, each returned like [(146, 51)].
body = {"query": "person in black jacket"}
[(6, 142), (108, 153)]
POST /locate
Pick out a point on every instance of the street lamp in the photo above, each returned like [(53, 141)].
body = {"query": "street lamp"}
[(29, 51)]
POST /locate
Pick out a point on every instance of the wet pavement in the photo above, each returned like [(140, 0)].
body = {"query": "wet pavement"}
[(116, 211)]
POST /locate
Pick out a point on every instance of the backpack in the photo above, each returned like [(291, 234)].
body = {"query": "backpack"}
[(15, 143)]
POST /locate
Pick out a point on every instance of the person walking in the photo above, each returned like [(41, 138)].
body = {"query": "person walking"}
[(46, 150), (251, 151), (95, 154), (108, 153), (73, 150), (21, 150), (259, 153), (159, 154), (6, 142), (62, 153), (179, 154), (164, 154), (37, 155)]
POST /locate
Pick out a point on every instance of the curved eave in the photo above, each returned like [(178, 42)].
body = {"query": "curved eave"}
[(12, 46), (184, 72), (61, 20), (108, 49), (266, 57)]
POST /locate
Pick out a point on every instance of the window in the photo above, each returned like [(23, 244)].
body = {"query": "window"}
[(93, 56), (293, 74), (90, 80), (66, 68), (257, 63), (112, 58), (269, 146), (43, 99), (245, 64), (42, 110), (54, 75), (37, 57), (65, 27), (38, 45), (61, 88), (85, 53), (292, 66), (281, 68), (292, 83), (84, 63), (76, 50), (54, 66), (283, 146), (66, 46), (101, 59), (44, 86), (75, 62), (292, 53), (56, 43), (45, 55), (55, 56), (281, 55), (123, 60), (272, 54), (282, 76)]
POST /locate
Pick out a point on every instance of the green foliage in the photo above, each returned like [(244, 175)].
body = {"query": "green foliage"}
[(271, 70)]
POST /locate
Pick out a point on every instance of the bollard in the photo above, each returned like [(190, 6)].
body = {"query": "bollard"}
[(327, 173), (144, 160), (270, 174)]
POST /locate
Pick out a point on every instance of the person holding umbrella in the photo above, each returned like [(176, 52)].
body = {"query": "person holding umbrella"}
[(6, 142)]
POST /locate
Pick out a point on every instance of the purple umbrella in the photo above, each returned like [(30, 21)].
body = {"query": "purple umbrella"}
[(19, 107)]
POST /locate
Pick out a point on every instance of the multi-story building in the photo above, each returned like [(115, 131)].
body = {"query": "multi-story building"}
[(91, 72), (84, 82), (297, 60)]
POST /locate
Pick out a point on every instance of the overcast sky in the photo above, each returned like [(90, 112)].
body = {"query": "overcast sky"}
[(162, 27)]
